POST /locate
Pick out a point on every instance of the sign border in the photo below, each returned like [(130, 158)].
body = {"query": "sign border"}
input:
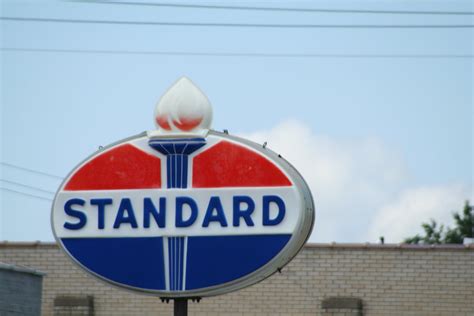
[(292, 248)]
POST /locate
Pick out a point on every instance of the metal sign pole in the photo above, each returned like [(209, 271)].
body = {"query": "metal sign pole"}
[(180, 307)]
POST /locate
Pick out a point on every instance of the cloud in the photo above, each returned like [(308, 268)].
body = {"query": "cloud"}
[(402, 217), (359, 186)]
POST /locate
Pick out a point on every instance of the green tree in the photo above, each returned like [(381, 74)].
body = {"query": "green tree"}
[(464, 226), (434, 234)]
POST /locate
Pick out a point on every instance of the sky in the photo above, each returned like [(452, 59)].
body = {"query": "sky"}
[(384, 142)]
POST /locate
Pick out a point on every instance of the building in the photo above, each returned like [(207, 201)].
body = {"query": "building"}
[(324, 279), (20, 290)]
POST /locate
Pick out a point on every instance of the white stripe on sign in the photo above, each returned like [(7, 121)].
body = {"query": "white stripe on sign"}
[(177, 212)]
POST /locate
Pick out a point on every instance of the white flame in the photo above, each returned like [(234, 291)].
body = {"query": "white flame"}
[(183, 108)]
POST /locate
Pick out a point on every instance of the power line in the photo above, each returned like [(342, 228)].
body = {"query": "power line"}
[(274, 9), (31, 170), (26, 186), (220, 54), (243, 25), (27, 194)]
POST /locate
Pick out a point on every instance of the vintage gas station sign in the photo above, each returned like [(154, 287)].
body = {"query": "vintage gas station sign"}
[(183, 211)]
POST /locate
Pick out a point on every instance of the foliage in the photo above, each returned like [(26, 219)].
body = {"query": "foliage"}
[(434, 234)]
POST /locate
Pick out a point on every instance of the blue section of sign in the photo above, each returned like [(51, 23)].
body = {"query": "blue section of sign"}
[(177, 171), (136, 261), (177, 152), (176, 262), (209, 260), (213, 260), (177, 146)]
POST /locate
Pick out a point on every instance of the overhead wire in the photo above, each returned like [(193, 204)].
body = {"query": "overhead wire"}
[(274, 9), (30, 170), (26, 194), (224, 54), (242, 25), (27, 186)]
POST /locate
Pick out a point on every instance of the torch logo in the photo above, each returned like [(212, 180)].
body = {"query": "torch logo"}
[(183, 108)]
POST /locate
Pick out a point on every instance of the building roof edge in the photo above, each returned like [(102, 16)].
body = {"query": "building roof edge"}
[(48, 244)]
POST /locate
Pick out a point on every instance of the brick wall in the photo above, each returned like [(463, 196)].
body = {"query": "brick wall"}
[(389, 280)]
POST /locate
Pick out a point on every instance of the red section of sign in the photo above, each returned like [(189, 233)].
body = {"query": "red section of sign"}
[(230, 165), (123, 167)]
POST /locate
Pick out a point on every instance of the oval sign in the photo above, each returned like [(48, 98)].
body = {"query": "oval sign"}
[(188, 216)]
